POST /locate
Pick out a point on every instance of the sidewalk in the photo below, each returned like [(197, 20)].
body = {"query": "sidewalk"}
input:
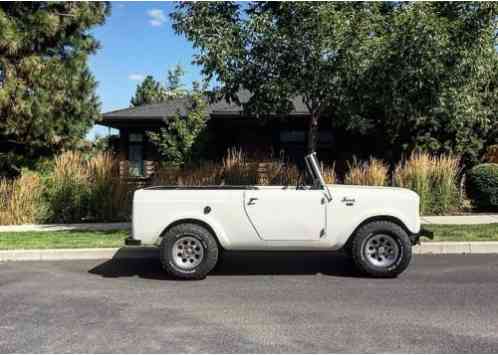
[(64, 227), (468, 219)]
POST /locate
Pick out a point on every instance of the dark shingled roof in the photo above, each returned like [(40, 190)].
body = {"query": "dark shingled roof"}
[(169, 108)]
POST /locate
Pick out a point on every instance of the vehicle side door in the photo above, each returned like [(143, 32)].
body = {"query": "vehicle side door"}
[(287, 214)]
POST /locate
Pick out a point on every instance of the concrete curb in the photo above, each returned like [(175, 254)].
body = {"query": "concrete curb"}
[(457, 248), (151, 252)]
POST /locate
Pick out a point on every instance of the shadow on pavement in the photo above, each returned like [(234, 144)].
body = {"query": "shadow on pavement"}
[(235, 263)]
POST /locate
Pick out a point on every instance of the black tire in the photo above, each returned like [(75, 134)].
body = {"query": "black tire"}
[(377, 229), (206, 239)]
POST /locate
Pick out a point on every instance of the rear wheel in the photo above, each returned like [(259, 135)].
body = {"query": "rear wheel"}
[(381, 249), (189, 251)]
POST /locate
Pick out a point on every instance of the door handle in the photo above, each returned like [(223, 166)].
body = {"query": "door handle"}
[(252, 200)]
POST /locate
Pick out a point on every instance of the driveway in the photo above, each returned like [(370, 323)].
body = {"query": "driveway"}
[(255, 302)]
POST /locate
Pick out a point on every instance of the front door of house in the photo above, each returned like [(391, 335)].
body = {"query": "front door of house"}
[(136, 154)]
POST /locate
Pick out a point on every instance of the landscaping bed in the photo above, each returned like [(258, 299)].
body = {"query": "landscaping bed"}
[(115, 238)]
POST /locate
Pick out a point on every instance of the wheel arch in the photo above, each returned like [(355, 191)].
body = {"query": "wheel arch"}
[(389, 218)]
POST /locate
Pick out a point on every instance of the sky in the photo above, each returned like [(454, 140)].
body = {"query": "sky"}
[(136, 40)]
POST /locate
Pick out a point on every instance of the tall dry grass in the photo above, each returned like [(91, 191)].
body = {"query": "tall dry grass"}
[(200, 174), (20, 199), (434, 178), (329, 174), (109, 197), (86, 190), (374, 172), (67, 187), (237, 170), (445, 184)]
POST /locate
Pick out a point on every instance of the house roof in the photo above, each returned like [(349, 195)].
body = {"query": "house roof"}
[(163, 110)]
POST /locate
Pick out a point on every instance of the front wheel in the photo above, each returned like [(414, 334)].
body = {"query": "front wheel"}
[(189, 251), (381, 249)]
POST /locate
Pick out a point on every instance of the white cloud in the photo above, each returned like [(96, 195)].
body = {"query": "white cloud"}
[(156, 17), (136, 77)]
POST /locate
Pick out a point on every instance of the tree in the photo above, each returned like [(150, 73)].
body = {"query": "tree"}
[(182, 137), (47, 93), (149, 91), (174, 85), (412, 75), (431, 82), (276, 50)]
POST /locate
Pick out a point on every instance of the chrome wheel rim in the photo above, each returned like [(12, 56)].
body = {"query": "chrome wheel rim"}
[(381, 250), (187, 252)]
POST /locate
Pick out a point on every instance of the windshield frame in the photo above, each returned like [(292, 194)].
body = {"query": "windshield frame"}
[(314, 171)]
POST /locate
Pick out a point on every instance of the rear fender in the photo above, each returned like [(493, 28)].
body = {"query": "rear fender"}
[(220, 234)]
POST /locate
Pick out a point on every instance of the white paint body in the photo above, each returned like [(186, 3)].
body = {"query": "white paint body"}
[(273, 217)]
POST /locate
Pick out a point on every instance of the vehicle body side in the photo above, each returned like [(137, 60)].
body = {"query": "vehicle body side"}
[(324, 223)]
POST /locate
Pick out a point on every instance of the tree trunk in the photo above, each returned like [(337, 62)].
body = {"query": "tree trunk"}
[(312, 136)]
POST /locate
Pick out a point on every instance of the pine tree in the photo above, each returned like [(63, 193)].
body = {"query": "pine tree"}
[(148, 91), (47, 93)]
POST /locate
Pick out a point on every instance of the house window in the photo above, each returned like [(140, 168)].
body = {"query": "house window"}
[(289, 136), (299, 136), (136, 154)]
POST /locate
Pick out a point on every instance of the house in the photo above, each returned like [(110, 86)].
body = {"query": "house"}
[(228, 126)]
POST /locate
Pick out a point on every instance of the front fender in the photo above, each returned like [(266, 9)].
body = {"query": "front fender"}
[(411, 223)]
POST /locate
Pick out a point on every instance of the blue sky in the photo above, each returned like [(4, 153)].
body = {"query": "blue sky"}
[(136, 40)]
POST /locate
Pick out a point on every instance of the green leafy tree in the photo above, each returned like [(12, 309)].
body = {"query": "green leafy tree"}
[(431, 81), (47, 93), (183, 136), (174, 85), (276, 50), (409, 75)]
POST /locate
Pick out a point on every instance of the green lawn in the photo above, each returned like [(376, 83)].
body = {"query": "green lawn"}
[(62, 239), (112, 239), (461, 233)]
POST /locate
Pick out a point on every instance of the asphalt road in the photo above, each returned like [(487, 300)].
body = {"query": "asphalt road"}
[(255, 302)]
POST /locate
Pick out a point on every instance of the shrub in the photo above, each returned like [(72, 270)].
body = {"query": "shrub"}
[(483, 186), (20, 199), (373, 173)]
